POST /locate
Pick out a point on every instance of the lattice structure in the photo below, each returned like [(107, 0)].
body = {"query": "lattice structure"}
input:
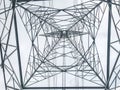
[(46, 45)]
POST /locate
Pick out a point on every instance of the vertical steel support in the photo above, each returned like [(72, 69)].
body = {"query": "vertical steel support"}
[(17, 43), (108, 43), (2, 65)]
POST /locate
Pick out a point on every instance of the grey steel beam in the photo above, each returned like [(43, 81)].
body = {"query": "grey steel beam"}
[(2, 65), (108, 43), (64, 87), (30, 0), (17, 42)]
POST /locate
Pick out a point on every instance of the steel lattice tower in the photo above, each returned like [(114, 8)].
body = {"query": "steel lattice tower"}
[(45, 45)]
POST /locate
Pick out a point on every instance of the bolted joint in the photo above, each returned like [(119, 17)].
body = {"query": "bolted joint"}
[(63, 70)]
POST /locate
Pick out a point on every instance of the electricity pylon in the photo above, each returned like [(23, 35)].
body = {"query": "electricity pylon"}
[(43, 46)]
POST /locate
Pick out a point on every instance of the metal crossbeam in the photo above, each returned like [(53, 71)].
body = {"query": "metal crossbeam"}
[(30, 0)]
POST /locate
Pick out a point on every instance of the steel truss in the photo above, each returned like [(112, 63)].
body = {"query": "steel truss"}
[(44, 47)]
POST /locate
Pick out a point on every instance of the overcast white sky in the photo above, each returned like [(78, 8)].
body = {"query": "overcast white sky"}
[(1, 80)]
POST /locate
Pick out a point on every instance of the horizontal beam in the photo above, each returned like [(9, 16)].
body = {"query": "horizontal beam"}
[(85, 87), (30, 0)]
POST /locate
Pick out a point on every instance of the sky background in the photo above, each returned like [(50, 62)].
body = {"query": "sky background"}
[(1, 80)]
